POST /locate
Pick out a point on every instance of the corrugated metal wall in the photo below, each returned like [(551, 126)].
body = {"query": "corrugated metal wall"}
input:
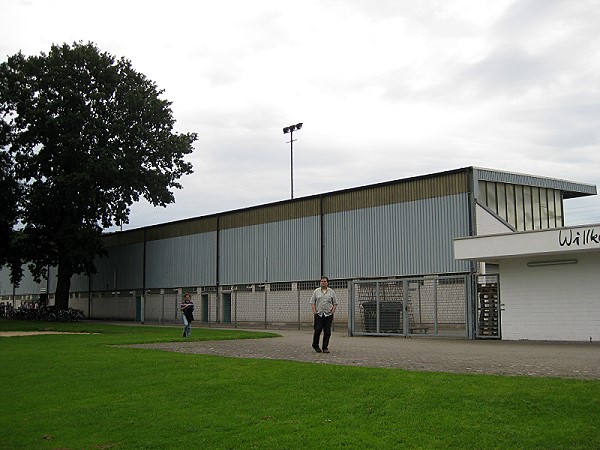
[(409, 190), (286, 250), (398, 228), (121, 269), (276, 212), (293, 249), (366, 233), (27, 286), (398, 239), (182, 261), (187, 260)]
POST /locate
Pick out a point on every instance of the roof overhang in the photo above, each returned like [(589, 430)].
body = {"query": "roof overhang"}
[(570, 189), (552, 242)]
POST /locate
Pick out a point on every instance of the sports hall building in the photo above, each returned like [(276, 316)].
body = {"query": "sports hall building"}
[(387, 248)]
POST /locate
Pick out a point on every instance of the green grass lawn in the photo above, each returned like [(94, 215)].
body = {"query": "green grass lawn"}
[(83, 392)]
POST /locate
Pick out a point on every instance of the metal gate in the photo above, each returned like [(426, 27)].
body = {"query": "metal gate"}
[(488, 307), (429, 305)]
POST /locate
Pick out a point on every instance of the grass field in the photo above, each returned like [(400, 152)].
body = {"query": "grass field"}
[(85, 392)]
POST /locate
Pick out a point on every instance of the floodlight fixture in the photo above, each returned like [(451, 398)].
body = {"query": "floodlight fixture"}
[(290, 129)]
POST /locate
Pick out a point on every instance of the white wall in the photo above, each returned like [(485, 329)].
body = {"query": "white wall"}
[(556, 302), (488, 224)]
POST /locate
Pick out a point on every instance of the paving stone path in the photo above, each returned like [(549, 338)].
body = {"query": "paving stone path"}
[(519, 358)]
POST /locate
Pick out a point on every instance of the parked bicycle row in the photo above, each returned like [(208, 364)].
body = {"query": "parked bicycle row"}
[(39, 312)]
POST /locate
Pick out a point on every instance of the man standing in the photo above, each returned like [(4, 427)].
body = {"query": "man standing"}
[(323, 303), (187, 314)]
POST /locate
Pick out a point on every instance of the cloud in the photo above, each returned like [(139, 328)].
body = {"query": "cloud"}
[(386, 89)]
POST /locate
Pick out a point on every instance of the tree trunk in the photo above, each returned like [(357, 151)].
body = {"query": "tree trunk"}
[(63, 286)]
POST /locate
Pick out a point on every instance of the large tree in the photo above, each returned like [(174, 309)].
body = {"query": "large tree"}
[(87, 137), (9, 199)]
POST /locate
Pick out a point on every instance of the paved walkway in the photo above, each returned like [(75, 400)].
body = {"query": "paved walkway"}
[(526, 358)]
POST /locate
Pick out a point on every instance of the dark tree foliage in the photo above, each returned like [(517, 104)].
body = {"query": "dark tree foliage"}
[(84, 136), (9, 199)]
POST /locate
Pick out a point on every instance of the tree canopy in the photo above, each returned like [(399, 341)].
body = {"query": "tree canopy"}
[(83, 136), (9, 196)]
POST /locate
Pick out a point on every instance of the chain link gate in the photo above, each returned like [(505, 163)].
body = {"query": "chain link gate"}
[(434, 305)]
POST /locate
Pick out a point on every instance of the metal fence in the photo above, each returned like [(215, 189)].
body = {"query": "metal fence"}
[(269, 305), (273, 305), (433, 306), (436, 305)]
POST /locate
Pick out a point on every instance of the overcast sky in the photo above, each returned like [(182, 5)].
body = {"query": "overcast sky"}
[(386, 89)]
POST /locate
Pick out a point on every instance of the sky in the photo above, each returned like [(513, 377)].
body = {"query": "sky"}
[(385, 89)]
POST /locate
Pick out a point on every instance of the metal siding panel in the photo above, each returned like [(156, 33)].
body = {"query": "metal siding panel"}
[(288, 210), (5, 284), (126, 262), (402, 239), (242, 255), (181, 261), (120, 238), (401, 191), (27, 285), (189, 227), (79, 283), (291, 249)]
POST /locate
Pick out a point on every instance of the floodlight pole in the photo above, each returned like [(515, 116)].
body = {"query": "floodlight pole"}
[(292, 163), (291, 130)]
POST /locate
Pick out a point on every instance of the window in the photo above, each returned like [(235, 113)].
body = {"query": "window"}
[(544, 208), (558, 209), (281, 286), (338, 284), (520, 222), (243, 287), (524, 207), (511, 212), (527, 207), (308, 285), (491, 200), (535, 206), (501, 194)]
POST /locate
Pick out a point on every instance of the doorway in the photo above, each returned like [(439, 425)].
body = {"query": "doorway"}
[(226, 307)]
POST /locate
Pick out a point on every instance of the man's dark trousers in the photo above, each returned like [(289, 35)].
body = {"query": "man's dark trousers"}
[(322, 324)]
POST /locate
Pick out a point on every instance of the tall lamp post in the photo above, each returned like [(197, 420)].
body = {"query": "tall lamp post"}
[(291, 130)]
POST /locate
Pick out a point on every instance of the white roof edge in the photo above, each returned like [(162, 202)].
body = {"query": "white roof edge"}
[(553, 241), (571, 227)]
